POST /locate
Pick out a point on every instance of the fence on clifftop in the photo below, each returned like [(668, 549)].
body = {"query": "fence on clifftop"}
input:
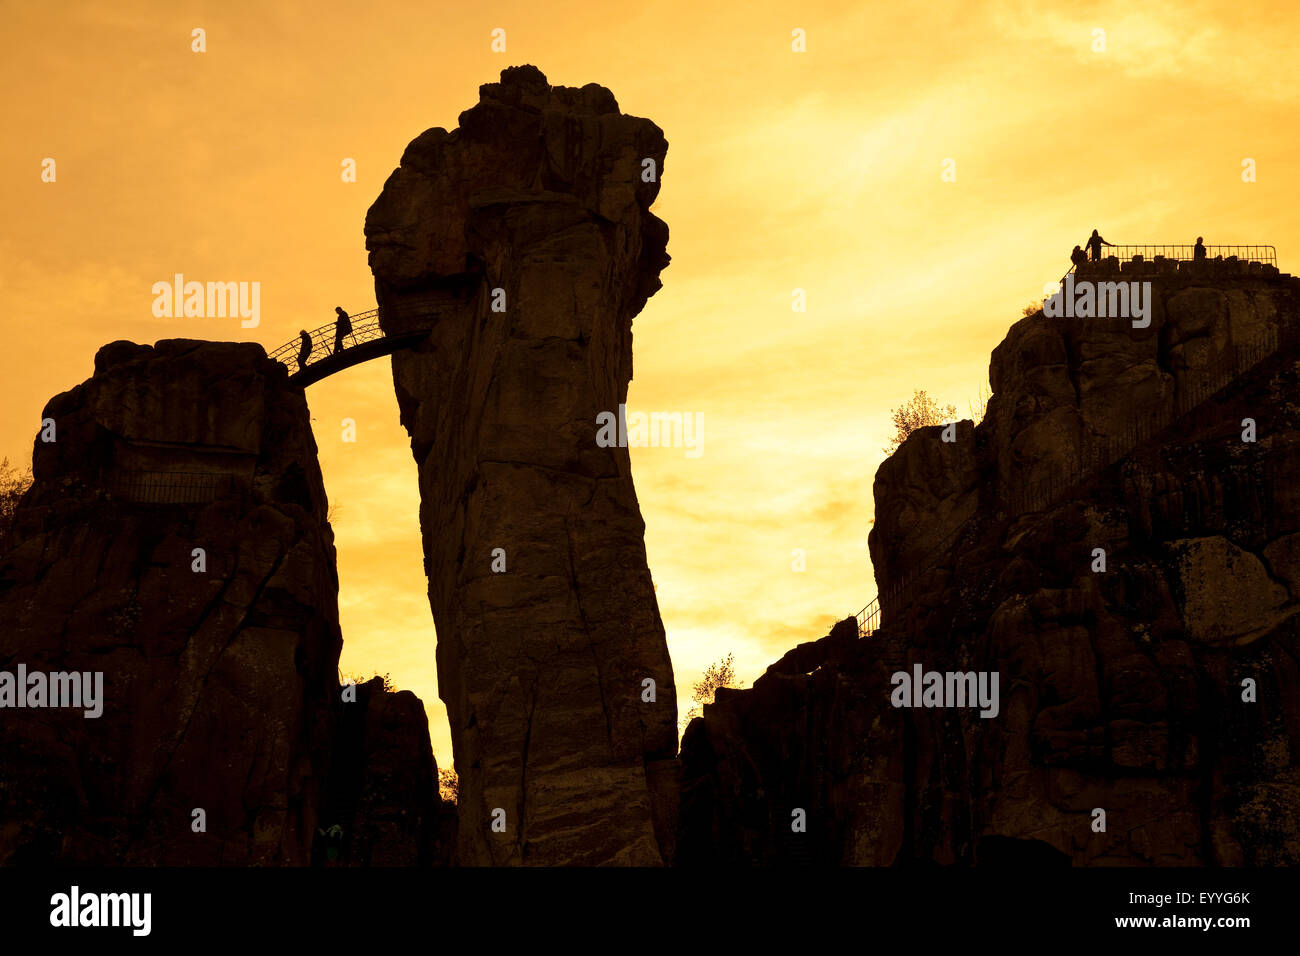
[(1105, 451), (1159, 256), (1187, 253)]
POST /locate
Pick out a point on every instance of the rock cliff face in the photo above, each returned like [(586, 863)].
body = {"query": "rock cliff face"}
[(1110, 545), (174, 539), (383, 792), (219, 667), (523, 240)]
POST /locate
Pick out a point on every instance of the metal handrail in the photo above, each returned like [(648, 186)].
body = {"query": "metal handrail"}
[(1187, 253), (365, 328), (1265, 254), (1241, 358)]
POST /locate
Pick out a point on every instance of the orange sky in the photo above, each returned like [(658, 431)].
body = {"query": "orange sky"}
[(817, 170)]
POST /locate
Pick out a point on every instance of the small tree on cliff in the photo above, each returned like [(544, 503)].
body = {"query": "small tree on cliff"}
[(980, 406), (357, 679), (448, 785), (720, 673), (13, 485), (921, 411)]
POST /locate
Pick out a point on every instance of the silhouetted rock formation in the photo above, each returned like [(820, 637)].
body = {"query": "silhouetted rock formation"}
[(220, 680), (524, 238), (383, 790), (1121, 689), (217, 683)]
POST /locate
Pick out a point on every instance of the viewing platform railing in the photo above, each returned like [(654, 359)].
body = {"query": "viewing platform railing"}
[(1165, 252), (1187, 253), (1235, 362)]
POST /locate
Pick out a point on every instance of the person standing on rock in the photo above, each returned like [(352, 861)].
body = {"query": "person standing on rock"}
[(1198, 251), (304, 353), (342, 328), (1095, 242)]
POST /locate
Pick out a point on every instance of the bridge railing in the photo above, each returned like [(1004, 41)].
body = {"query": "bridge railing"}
[(365, 328)]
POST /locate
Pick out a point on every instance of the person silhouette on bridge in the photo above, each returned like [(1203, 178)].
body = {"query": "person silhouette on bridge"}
[(1078, 257), (304, 353), (1095, 242), (1198, 251), (342, 328)]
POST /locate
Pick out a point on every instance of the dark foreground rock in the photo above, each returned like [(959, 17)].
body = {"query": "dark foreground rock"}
[(175, 542), (217, 681), (382, 807), (1163, 690)]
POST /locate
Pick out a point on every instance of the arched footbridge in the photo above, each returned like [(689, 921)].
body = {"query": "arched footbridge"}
[(328, 355)]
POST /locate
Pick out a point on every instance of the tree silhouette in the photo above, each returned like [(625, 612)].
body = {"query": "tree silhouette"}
[(448, 785), (13, 485), (980, 406), (720, 673), (921, 411), (359, 680)]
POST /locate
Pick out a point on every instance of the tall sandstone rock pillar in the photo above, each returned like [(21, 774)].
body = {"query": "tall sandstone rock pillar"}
[(524, 241)]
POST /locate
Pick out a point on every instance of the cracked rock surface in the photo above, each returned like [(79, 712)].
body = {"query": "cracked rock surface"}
[(1121, 690), (524, 242), (218, 682)]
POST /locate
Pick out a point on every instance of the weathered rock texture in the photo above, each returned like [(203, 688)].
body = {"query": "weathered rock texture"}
[(383, 792), (1120, 689), (220, 682), (539, 194), (217, 683)]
